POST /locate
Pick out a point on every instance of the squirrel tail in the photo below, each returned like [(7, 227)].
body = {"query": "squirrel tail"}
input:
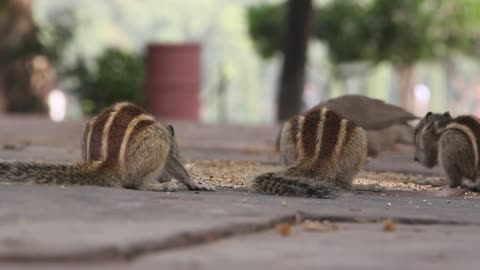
[(281, 184), (57, 173)]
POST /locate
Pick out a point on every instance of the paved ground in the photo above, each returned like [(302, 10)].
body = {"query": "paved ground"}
[(54, 227)]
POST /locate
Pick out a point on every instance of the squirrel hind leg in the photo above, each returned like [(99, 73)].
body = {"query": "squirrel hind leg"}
[(145, 157)]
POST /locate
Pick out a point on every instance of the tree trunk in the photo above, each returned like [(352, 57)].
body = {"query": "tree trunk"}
[(3, 97), (406, 84), (292, 77)]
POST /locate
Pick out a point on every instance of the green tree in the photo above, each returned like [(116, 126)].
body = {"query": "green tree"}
[(292, 40), (409, 31), (265, 22), (342, 26), (400, 32)]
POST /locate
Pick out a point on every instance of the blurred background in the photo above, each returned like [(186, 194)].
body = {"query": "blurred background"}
[(236, 61)]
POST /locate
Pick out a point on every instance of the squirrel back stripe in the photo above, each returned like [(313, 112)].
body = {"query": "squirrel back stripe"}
[(116, 135), (87, 134), (320, 127), (349, 130), (105, 132), (105, 135), (340, 140), (136, 126), (474, 128), (95, 140), (309, 134), (331, 129), (291, 135), (299, 138), (294, 130), (471, 128)]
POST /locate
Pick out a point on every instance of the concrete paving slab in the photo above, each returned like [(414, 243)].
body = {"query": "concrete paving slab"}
[(54, 222), (92, 223), (101, 228), (354, 246)]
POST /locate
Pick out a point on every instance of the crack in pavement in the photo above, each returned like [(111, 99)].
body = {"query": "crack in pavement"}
[(139, 249), (378, 219), (136, 250)]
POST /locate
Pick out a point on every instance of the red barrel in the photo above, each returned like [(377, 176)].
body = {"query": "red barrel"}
[(173, 80)]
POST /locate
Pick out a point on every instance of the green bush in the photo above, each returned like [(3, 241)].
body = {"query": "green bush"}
[(117, 76)]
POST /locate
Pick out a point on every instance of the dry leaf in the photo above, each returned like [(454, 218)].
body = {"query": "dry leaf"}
[(284, 229), (389, 225)]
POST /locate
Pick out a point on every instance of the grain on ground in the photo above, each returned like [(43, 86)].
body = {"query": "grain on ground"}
[(237, 174)]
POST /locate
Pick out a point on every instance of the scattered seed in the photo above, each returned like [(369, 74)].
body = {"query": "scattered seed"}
[(315, 226), (227, 173)]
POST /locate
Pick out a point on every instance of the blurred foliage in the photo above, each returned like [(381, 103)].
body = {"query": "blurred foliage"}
[(57, 36), (471, 9), (401, 32), (218, 25), (20, 44), (265, 23), (342, 26), (117, 75), (406, 31)]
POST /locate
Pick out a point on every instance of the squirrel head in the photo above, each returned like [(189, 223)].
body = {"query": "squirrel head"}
[(427, 133), (174, 144)]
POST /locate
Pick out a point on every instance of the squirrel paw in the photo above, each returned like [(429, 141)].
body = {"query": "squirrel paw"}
[(168, 186), (202, 187)]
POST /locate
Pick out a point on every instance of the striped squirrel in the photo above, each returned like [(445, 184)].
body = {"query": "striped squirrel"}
[(379, 140), (385, 124), (452, 143), (321, 150), (123, 146)]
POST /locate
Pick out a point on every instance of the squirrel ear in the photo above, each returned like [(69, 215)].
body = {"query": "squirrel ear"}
[(447, 114), (172, 131), (428, 115)]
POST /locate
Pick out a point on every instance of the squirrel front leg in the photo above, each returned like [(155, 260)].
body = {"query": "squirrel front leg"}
[(174, 169)]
